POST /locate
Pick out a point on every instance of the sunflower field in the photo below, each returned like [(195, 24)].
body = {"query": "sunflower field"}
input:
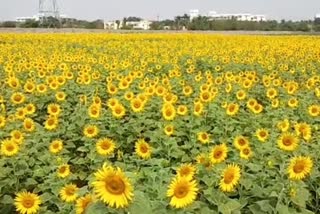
[(159, 123)]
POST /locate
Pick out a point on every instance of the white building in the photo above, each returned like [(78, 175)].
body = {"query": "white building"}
[(213, 15), (236, 16), (27, 18), (139, 25), (317, 16), (111, 25), (136, 25), (193, 14)]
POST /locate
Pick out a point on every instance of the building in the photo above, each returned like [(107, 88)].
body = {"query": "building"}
[(111, 25), (25, 19), (193, 14), (236, 16), (317, 18), (213, 15), (136, 25)]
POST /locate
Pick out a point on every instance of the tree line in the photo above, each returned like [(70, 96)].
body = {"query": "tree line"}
[(183, 22)]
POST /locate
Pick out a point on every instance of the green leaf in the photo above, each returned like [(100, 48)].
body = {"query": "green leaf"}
[(97, 208), (141, 204), (282, 209), (301, 197), (229, 207), (7, 199)]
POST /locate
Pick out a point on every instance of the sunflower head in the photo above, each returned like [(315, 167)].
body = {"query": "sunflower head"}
[(300, 167), (186, 170), (69, 193), (26, 202), (143, 149), (230, 178), (113, 187), (105, 146), (182, 192), (219, 153), (288, 142)]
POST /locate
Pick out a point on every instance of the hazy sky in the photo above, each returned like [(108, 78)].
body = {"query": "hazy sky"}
[(150, 9)]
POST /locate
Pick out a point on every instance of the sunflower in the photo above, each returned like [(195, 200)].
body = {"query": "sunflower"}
[(9, 148), (51, 123), (90, 131), (293, 102), (54, 109), (105, 146), (246, 153), (272, 93), (304, 130), (137, 105), (56, 146), (83, 202), (219, 153), (203, 160), (288, 142), (20, 113), (29, 86), (182, 192), (169, 129), (28, 125), (241, 95), (300, 167), (262, 134), (205, 96), (30, 108), (198, 108), (63, 171), (69, 193), (2, 121), (17, 136), (17, 98), (232, 109), (182, 110), (240, 142), (27, 203), (283, 125), (168, 112), (203, 137), (60, 96), (230, 178), (314, 110), (94, 111), (275, 103), (186, 170), (143, 149), (257, 108), (118, 111), (112, 187)]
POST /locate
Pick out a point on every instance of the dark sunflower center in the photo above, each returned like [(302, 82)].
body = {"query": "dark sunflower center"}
[(28, 202), (115, 186), (287, 142), (10, 148), (263, 134), (62, 169), (298, 167), (181, 191), (228, 177), (70, 191), (217, 154), (242, 142), (105, 145), (185, 171), (168, 112), (144, 148)]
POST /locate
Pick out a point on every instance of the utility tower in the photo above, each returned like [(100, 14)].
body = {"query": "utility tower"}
[(48, 9)]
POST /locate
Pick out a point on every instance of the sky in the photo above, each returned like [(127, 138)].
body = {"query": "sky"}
[(162, 9)]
